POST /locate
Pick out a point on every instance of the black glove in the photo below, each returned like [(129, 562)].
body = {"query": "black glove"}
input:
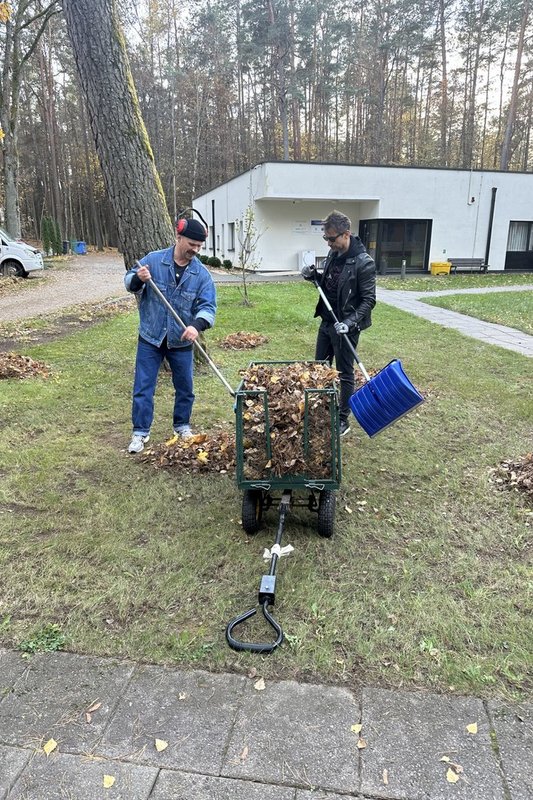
[(307, 271), (341, 328)]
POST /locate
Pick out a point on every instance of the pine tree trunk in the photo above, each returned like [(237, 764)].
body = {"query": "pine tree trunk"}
[(505, 155), (132, 182)]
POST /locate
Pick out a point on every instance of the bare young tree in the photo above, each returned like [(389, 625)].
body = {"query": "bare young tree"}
[(247, 236)]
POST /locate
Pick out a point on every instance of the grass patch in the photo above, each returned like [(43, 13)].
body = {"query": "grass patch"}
[(48, 639), (514, 309), (425, 584), (436, 283)]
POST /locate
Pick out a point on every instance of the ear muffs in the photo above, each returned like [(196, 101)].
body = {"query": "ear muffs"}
[(183, 223)]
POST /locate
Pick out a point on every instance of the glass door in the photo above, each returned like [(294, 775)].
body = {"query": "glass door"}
[(391, 241)]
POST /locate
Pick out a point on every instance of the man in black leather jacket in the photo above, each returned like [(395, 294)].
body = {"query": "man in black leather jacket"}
[(348, 279)]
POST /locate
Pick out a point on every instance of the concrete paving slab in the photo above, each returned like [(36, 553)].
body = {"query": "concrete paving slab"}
[(407, 734), (180, 786), (70, 777), (514, 735), (52, 696), (12, 666), (192, 711), (12, 761), (296, 735)]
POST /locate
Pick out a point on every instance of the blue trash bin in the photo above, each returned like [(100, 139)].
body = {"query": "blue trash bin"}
[(81, 248)]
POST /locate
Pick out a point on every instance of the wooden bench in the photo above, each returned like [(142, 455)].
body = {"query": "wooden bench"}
[(468, 264)]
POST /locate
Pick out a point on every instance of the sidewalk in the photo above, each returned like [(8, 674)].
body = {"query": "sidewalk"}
[(226, 740), (487, 332)]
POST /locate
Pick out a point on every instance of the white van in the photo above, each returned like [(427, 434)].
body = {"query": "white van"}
[(18, 258)]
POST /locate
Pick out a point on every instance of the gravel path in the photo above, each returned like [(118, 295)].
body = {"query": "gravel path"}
[(91, 278)]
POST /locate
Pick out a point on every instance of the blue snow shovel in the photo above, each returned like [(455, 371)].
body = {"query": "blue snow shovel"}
[(383, 399)]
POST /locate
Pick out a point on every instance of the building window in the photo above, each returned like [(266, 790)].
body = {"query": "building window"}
[(520, 237), (231, 236), (390, 242), (519, 253)]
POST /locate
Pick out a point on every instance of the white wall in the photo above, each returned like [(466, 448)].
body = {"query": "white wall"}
[(289, 195)]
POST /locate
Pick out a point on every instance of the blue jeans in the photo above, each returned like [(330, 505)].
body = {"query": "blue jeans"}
[(147, 364)]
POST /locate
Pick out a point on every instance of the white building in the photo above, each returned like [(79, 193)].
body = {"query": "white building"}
[(401, 213)]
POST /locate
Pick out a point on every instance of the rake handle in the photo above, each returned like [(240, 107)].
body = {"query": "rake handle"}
[(346, 337)]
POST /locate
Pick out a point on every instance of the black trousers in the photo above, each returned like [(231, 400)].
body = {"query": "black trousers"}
[(330, 345)]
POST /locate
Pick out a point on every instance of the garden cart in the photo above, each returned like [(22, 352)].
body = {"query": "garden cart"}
[(317, 485)]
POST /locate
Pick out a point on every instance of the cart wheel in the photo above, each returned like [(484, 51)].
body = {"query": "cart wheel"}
[(252, 510), (326, 513)]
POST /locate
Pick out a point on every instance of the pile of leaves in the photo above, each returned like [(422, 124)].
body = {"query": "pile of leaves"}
[(285, 387), (8, 281), (517, 475), (202, 453), (241, 340), (13, 365)]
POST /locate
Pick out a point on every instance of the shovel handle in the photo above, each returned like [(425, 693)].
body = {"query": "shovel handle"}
[(178, 319), (346, 337)]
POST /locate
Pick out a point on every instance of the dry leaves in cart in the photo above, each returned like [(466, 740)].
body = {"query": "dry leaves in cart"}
[(285, 386), (13, 365)]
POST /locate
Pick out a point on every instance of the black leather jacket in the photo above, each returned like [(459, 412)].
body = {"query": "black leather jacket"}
[(356, 291)]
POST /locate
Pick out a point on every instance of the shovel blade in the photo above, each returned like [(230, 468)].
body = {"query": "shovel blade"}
[(384, 399)]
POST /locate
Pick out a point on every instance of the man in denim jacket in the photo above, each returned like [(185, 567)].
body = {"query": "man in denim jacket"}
[(189, 288)]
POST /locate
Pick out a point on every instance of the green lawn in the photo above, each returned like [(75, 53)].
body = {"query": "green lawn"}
[(426, 582), (436, 283), (514, 309)]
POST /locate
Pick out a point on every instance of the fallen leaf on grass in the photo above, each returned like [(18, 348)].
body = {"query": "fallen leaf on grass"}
[(472, 728), (160, 745), (109, 780), (50, 746), (348, 510)]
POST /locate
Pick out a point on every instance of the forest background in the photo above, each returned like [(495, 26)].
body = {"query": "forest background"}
[(225, 84)]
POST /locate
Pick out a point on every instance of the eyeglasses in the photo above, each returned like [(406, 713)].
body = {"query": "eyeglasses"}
[(331, 239)]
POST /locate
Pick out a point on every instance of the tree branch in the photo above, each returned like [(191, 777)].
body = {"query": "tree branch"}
[(39, 33), (46, 11)]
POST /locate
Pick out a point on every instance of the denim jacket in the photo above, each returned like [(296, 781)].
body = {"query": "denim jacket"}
[(194, 297)]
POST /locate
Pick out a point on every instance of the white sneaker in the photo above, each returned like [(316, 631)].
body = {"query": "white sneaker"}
[(184, 432), (137, 443)]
